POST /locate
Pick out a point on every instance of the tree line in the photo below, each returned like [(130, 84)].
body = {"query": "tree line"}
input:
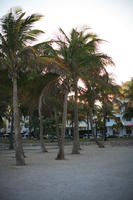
[(36, 80)]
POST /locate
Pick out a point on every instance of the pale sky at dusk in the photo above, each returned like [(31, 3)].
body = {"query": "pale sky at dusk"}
[(112, 20)]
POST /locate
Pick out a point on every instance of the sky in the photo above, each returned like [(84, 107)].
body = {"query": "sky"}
[(112, 20)]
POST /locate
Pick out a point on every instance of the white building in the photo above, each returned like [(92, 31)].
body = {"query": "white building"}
[(125, 130), (113, 129)]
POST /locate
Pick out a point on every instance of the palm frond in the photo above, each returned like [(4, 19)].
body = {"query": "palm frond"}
[(63, 33)]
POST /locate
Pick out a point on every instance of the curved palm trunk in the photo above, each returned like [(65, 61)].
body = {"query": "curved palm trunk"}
[(18, 139), (76, 143), (43, 148), (100, 145), (60, 155)]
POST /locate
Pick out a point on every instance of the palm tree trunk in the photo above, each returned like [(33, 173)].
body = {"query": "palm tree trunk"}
[(43, 148), (18, 138), (11, 146), (76, 143), (100, 145), (57, 124), (88, 127), (72, 131), (60, 155)]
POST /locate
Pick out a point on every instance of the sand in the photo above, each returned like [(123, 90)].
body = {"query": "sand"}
[(95, 174)]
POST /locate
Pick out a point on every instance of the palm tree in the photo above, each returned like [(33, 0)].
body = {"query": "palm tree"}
[(42, 97), (90, 95), (16, 33), (53, 94), (32, 96), (98, 86), (127, 90), (80, 54), (52, 63), (109, 93), (60, 155)]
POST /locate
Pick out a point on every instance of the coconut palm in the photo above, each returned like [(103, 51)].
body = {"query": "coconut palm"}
[(50, 62), (90, 95), (100, 87), (42, 97), (127, 90), (15, 54), (60, 155), (55, 94), (109, 93), (31, 96), (80, 54)]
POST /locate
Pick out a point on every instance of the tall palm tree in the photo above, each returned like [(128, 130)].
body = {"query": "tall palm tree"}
[(80, 52), (52, 63), (90, 95), (15, 54), (100, 87)]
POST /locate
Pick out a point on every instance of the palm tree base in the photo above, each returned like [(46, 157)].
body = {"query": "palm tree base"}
[(75, 151), (20, 161), (44, 150), (100, 145), (60, 155)]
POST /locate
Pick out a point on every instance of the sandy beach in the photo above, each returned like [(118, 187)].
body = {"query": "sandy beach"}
[(95, 174)]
